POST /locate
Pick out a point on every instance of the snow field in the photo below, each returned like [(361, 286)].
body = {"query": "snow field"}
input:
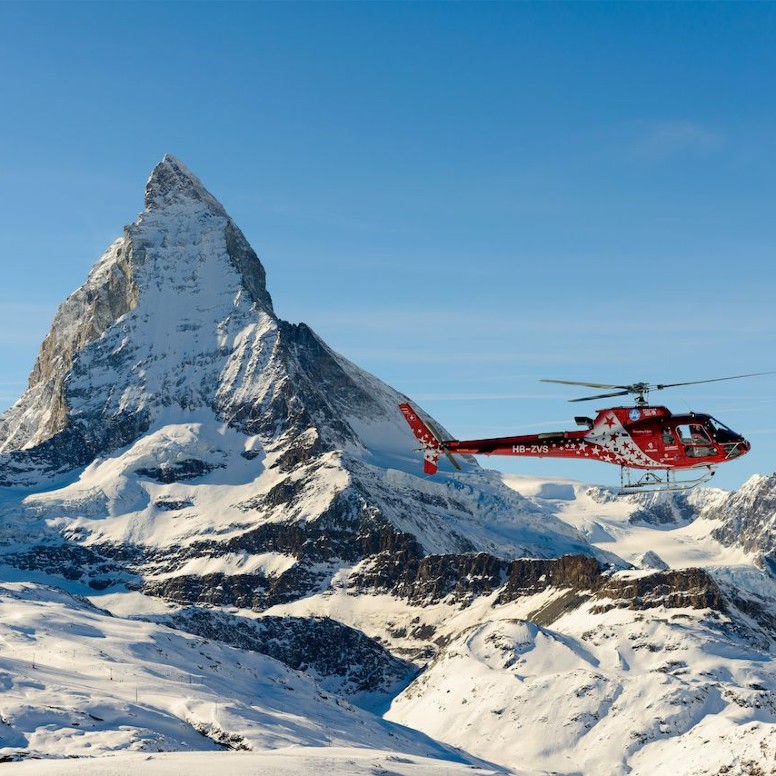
[(297, 761), (77, 682)]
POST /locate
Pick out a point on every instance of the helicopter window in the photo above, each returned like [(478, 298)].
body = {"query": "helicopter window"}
[(693, 434), (696, 439), (668, 437)]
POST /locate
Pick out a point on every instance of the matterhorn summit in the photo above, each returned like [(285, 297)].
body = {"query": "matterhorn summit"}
[(166, 318)]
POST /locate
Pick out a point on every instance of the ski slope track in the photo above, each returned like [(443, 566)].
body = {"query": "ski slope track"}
[(218, 550)]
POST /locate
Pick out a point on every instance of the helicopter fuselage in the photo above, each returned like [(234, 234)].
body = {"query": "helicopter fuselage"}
[(643, 437), (638, 437)]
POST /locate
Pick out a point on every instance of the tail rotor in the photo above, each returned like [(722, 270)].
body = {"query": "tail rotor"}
[(430, 438)]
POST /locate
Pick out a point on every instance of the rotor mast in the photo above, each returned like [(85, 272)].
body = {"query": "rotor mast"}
[(641, 391)]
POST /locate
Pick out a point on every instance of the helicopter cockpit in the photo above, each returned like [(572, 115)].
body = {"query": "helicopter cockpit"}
[(704, 431)]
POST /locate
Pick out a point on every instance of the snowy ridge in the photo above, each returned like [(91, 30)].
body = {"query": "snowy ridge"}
[(607, 694), (108, 293)]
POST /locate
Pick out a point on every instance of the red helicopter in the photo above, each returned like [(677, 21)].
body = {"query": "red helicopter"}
[(649, 443)]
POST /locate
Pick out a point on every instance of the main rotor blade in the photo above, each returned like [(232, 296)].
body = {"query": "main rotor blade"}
[(602, 396), (660, 386), (587, 385)]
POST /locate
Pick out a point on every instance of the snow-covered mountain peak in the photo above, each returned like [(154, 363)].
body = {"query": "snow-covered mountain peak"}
[(168, 317), (171, 182), (178, 208)]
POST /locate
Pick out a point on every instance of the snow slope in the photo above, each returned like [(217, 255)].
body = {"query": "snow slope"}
[(77, 682), (601, 693), (292, 761), (624, 526)]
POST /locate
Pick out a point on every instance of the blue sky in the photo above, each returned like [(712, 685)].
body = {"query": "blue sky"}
[(462, 198)]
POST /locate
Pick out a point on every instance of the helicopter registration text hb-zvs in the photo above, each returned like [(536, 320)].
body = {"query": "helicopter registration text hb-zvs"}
[(648, 443)]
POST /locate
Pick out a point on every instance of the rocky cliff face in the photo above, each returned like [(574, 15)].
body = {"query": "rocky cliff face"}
[(343, 660), (747, 517)]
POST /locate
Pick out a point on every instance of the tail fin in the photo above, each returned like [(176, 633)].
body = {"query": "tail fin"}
[(429, 438)]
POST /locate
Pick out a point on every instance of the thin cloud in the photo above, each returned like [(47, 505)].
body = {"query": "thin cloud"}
[(432, 322), (663, 140)]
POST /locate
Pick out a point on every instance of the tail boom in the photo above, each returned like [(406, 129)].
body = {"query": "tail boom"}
[(556, 444)]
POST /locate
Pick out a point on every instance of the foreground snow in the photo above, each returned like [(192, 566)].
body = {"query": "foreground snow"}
[(593, 689), (307, 761), (77, 682)]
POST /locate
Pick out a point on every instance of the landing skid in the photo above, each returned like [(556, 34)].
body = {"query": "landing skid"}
[(650, 481)]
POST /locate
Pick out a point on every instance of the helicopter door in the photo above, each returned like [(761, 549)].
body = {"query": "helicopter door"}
[(696, 440)]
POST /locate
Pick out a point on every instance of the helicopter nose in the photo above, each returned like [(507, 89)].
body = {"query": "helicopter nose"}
[(736, 447)]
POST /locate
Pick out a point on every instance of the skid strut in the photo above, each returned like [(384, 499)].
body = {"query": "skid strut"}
[(651, 481)]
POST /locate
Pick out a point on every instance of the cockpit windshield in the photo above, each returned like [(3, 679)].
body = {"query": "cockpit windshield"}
[(721, 432)]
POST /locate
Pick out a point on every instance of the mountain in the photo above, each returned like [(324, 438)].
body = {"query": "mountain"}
[(747, 518), (228, 519), (193, 441)]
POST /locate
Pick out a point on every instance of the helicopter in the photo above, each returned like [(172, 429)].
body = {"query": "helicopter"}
[(654, 448)]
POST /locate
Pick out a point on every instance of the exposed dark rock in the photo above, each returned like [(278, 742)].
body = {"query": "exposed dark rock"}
[(247, 591), (71, 561), (171, 505), (179, 471), (77, 445), (528, 576), (680, 588), (343, 659), (671, 511), (404, 572), (459, 578), (248, 266), (748, 517), (320, 548), (557, 607)]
